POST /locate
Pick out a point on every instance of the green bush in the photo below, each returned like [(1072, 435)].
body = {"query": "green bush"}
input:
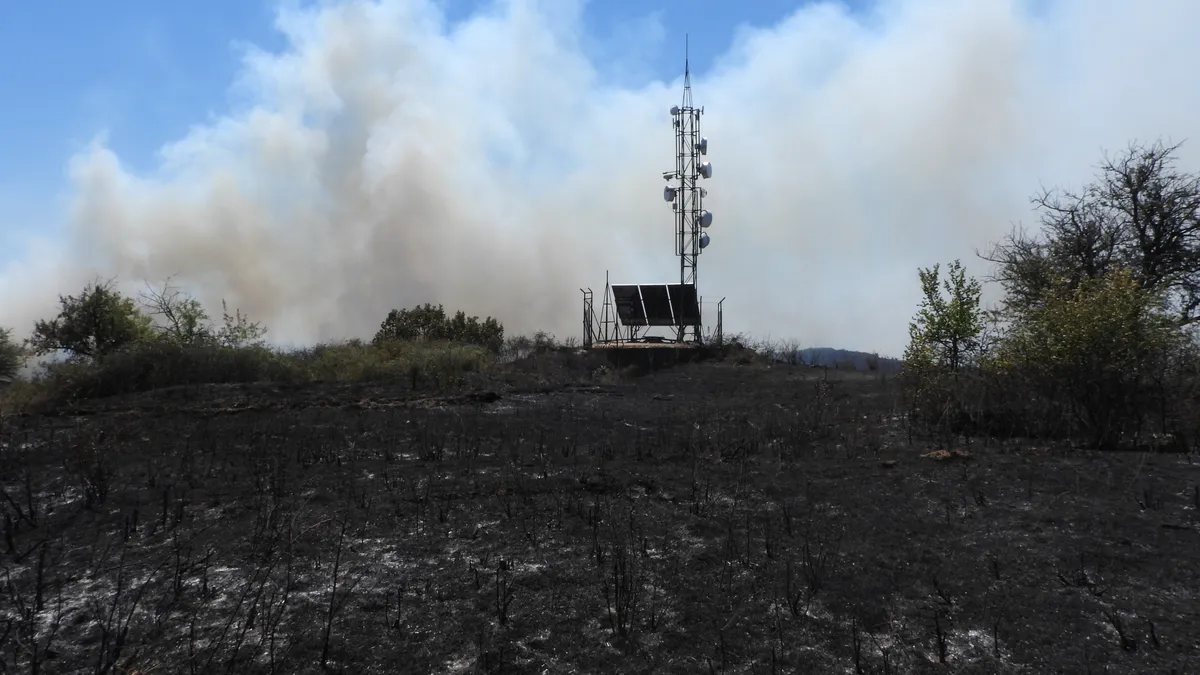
[(438, 362), (524, 346), (114, 348), (12, 355), (158, 364), (1099, 348), (428, 323)]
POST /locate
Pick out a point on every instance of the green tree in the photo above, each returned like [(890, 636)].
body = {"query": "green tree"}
[(945, 333), (1102, 303), (97, 322), (12, 355), (430, 323), (183, 321), (425, 322), (237, 330)]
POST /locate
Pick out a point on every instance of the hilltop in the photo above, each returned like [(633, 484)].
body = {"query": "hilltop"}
[(831, 357)]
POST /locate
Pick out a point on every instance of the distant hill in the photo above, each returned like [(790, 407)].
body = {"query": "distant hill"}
[(832, 358)]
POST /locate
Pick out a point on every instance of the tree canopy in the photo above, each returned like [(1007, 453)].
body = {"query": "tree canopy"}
[(95, 323), (430, 323), (1097, 325), (1141, 214), (12, 355)]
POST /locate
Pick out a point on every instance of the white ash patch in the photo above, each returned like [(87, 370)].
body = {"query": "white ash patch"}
[(974, 645), (24, 447), (527, 568), (512, 403), (484, 524), (814, 609), (690, 542), (384, 554), (719, 498), (462, 663), (599, 631), (650, 640)]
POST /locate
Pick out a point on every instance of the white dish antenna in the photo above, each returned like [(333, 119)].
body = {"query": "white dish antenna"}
[(704, 239), (706, 170), (705, 218), (668, 193), (702, 146)]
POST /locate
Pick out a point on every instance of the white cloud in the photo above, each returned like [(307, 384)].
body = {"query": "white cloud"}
[(387, 158)]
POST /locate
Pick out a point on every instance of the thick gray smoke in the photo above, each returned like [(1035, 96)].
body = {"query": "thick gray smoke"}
[(387, 158)]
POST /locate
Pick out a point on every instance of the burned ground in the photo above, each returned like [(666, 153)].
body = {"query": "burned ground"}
[(710, 518)]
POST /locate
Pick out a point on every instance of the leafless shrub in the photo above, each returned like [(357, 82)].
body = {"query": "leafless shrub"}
[(505, 591), (115, 617), (334, 604), (26, 512), (623, 578), (820, 558), (32, 626)]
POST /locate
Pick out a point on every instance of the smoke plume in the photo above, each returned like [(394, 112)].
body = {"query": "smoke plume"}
[(387, 157)]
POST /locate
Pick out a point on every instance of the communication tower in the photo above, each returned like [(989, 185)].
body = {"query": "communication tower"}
[(684, 193), (629, 310)]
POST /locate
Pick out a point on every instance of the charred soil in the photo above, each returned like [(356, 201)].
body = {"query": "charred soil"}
[(717, 517)]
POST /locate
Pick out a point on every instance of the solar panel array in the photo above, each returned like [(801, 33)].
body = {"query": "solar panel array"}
[(686, 301), (657, 304)]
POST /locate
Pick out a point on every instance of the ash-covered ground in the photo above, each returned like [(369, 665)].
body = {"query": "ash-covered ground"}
[(711, 518)]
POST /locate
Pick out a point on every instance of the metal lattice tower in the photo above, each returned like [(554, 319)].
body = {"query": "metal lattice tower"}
[(686, 195)]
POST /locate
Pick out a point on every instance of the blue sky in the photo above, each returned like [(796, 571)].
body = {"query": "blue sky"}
[(139, 70), (852, 144), (144, 71)]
